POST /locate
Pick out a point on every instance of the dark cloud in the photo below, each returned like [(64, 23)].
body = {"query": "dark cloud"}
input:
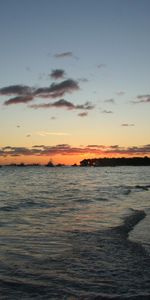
[(65, 149), (28, 135), (16, 90), (135, 150), (64, 54), (97, 146), (25, 94), (15, 151), (127, 125), (114, 146), (57, 74), (53, 118), (83, 114), (7, 148), (57, 89), (58, 104), (66, 85), (62, 103), (19, 99), (38, 146), (86, 106), (142, 99)]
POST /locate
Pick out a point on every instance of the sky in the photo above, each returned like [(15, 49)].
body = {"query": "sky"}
[(74, 80)]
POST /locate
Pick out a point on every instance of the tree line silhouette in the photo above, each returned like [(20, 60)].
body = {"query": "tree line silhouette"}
[(113, 162)]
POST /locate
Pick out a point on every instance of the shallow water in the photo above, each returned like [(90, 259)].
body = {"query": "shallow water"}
[(72, 233)]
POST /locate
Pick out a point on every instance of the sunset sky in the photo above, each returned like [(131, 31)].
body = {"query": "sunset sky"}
[(74, 79)]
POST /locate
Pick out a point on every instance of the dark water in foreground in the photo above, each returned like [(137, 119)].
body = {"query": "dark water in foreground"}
[(74, 233)]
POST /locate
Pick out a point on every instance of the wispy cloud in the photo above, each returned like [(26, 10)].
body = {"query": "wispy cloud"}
[(83, 114), (46, 133), (100, 66), (42, 75), (28, 69), (62, 103), (134, 150), (96, 146), (86, 106), (19, 99), (65, 149), (111, 101), (120, 93), (83, 79), (64, 54), (57, 74), (127, 125), (105, 111)]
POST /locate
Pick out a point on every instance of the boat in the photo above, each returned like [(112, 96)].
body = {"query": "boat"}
[(50, 164)]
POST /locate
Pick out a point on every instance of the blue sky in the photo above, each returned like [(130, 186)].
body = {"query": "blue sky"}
[(102, 45)]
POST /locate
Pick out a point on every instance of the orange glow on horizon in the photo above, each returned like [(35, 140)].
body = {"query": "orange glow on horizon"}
[(58, 159)]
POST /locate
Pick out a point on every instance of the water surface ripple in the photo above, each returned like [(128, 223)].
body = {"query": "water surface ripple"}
[(74, 233)]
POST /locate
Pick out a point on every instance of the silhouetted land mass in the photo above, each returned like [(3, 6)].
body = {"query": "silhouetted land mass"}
[(22, 165), (96, 162), (114, 162), (60, 165)]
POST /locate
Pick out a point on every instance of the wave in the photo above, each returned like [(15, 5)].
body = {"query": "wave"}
[(143, 187), (9, 208), (25, 204), (138, 187), (130, 221), (96, 265)]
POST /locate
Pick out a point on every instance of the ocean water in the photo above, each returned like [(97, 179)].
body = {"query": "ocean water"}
[(74, 233)]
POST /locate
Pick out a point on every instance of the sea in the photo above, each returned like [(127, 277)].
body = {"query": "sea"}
[(74, 233)]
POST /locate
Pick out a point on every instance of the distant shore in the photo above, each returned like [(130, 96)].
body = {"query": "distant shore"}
[(113, 162), (93, 162)]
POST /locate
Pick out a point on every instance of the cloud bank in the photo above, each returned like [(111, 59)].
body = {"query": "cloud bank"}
[(65, 149)]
